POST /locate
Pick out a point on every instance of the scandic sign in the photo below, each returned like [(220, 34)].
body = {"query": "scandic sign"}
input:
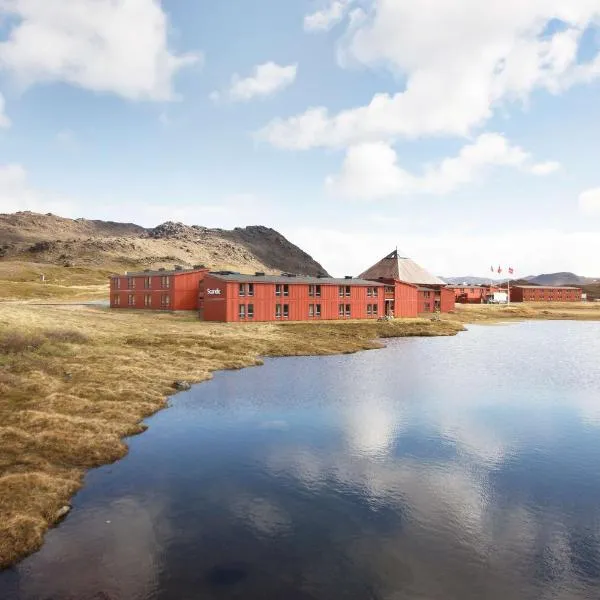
[(213, 292)]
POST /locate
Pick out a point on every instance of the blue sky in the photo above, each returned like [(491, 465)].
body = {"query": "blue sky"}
[(465, 136)]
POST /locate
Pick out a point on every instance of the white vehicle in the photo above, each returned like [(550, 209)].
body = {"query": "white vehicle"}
[(499, 298)]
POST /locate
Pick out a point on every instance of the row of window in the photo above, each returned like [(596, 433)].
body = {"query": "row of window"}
[(165, 300), (246, 311), (165, 282)]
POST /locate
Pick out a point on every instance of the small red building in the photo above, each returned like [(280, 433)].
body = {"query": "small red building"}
[(157, 290), (538, 293), (474, 294), (226, 296)]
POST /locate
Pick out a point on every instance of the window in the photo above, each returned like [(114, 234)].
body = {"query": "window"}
[(165, 300), (311, 310), (251, 310), (389, 289), (117, 283), (314, 291), (242, 289), (286, 290), (130, 299), (369, 293), (318, 292), (318, 309), (130, 283), (117, 300), (375, 310), (165, 281), (242, 311), (278, 289), (375, 292), (147, 282), (278, 311), (147, 300), (369, 310), (286, 311), (347, 290), (340, 310), (347, 310), (250, 289), (341, 291)]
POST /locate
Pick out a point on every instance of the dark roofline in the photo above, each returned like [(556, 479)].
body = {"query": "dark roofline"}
[(150, 273), (293, 280), (545, 287)]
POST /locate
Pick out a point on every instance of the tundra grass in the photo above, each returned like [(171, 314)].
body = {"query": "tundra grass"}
[(75, 381)]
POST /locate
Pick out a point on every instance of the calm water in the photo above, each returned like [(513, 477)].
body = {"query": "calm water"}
[(447, 468)]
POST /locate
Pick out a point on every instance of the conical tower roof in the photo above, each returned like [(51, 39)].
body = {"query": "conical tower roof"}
[(402, 268)]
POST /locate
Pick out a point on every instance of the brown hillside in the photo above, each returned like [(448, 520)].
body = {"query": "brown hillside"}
[(48, 239)]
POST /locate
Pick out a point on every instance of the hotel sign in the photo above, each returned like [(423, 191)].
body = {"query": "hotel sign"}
[(213, 292)]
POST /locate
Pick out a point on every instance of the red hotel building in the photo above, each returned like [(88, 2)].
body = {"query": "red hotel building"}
[(395, 286), (227, 296)]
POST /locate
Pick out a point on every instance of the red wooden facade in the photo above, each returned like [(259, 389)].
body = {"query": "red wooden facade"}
[(243, 298), (433, 299), (157, 290), (535, 293)]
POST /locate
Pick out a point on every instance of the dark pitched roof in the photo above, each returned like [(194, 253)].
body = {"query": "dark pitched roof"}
[(150, 273), (401, 268), (283, 279)]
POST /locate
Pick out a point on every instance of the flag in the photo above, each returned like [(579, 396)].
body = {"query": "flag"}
[(492, 269), (511, 270), (499, 269)]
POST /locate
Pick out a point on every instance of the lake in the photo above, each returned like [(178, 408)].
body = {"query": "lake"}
[(439, 468)]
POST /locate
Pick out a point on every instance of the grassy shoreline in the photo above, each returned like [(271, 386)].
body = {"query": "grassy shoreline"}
[(75, 381)]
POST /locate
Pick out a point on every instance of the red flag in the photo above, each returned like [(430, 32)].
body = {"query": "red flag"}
[(511, 270), (499, 269)]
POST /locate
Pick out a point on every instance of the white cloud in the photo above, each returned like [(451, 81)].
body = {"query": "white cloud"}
[(266, 79), (371, 170), (457, 66), (328, 17), (589, 202), (4, 120), (545, 168), (100, 45), (16, 194)]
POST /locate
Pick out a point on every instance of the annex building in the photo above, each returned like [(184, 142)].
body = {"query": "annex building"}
[(538, 293)]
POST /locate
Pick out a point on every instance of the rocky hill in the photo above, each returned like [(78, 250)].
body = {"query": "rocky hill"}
[(37, 238), (561, 279)]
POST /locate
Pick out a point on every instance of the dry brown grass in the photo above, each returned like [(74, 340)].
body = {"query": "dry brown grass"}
[(489, 313), (74, 381), (22, 281)]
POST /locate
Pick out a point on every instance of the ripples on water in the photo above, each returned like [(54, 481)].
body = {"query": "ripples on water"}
[(446, 468)]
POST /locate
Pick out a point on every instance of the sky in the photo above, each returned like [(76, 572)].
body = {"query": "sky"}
[(465, 134)]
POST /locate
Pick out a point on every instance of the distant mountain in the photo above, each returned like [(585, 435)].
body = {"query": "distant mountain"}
[(561, 279), (543, 279), (470, 280)]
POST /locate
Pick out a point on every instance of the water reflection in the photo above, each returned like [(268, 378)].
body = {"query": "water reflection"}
[(460, 468)]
